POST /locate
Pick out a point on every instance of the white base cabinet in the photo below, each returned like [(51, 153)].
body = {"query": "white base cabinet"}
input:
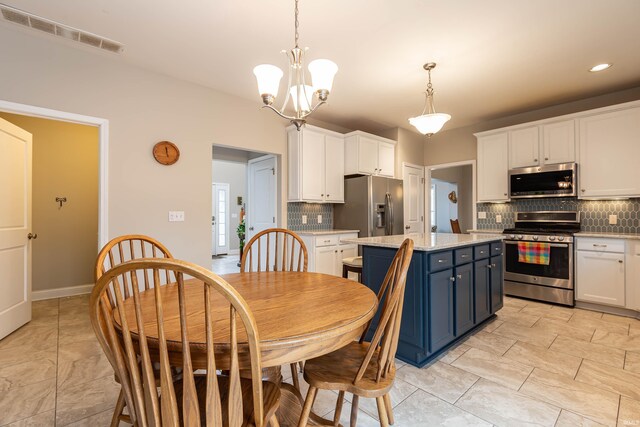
[(600, 271), (633, 275), (326, 252)]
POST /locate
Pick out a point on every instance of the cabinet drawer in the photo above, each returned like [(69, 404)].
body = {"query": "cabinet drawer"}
[(328, 240), (440, 260), (481, 251), (463, 255), (496, 248), (600, 245)]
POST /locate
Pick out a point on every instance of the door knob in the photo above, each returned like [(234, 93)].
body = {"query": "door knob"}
[(32, 236), (250, 228), (406, 227)]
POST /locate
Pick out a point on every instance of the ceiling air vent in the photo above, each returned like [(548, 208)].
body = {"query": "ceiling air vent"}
[(26, 19)]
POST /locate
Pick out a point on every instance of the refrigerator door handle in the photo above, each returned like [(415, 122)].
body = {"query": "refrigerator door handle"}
[(389, 214)]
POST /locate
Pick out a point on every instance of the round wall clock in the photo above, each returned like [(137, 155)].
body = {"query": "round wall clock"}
[(166, 153)]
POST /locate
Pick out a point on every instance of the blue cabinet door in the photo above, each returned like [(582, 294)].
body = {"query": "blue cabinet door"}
[(497, 291), (482, 289), (464, 298), (441, 309), (412, 342)]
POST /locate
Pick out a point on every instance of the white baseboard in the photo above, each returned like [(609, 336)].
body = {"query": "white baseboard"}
[(61, 292)]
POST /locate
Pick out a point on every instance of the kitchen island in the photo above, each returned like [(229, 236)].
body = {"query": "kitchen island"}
[(454, 284)]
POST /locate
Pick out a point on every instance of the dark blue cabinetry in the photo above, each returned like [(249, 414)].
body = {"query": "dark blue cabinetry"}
[(447, 294)]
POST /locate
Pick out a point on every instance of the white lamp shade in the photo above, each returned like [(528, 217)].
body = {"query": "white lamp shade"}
[(268, 77), (428, 124), (322, 73), (306, 97)]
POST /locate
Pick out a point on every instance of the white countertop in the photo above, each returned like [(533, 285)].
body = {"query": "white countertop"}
[(324, 232), (427, 242), (630, 236), (486, 231)]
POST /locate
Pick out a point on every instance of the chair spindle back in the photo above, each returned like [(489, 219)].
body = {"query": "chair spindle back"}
[(274, 249)]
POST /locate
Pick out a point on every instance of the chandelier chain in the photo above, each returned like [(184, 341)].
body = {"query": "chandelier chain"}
[(296, 23)]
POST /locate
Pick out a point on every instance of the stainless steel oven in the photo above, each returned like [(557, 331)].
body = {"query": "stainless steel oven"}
[(553, 282)]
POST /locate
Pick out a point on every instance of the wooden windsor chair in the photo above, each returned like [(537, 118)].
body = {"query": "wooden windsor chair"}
[(365, 369), (153, 396), (455, 226), (276, 249), (117, 251)]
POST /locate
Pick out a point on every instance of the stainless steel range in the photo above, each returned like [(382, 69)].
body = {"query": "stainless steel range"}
[(553, 282)]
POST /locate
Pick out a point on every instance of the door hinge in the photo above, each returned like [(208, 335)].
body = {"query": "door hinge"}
[(422, 218), (422, 180), (273, 171), (274, 219)]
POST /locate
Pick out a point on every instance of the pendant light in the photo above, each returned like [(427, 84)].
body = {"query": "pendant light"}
[(302, 95), (431, 122)]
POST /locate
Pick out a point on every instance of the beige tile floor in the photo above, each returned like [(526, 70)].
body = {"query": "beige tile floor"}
[(534, 364)]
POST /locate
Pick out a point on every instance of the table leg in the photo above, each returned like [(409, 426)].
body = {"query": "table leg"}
[(291, 402)]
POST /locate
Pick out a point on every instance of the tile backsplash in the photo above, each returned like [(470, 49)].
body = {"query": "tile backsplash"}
[(594, 214), (295, 211)]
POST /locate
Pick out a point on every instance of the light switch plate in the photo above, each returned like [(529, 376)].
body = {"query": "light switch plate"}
[(613, 219), (319, 219), (304, 219), (498, 218), (482, 215), (176, 216)]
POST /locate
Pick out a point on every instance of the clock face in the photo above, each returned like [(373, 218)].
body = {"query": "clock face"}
[(166, 153)]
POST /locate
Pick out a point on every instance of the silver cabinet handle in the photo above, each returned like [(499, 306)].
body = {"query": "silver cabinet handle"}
[(464, 256), (535, 160), (583, 190), (489, 266), (453, 279), (441, 260), (322, 195), (620, 261), (406, 227), (32, 236), (505, 194), (481, 252), (493, 266), (546, 158), (599, 246), (459, 276)]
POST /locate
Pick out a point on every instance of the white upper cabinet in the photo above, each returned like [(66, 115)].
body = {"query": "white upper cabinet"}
[(316, 165), (540, 145), (524, 148), (609, 147), (559, 142), (493, 167), (369, 155)]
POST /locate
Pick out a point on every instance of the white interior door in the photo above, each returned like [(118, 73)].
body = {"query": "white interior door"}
[(413, 184), (15, 225), (220, 219), (262, 195)]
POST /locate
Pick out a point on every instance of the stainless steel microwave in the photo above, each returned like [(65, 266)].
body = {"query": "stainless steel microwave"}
[(544, 181)]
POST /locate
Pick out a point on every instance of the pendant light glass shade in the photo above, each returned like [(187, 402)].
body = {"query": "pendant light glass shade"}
[(428, 124), (304, 94), (322, 73), (268, 77)]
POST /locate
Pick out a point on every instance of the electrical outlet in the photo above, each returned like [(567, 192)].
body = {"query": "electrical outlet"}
[(176, 216), (304, 219), (498, 218), (319, 219), (482, 215), (613, 219)]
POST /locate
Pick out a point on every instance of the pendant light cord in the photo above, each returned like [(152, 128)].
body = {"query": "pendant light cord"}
[(296, 24)]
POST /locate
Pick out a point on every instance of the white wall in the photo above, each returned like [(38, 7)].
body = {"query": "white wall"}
[(463, 177), (143, 108)]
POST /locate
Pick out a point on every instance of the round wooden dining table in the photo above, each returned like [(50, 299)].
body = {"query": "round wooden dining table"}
[(299, 316)]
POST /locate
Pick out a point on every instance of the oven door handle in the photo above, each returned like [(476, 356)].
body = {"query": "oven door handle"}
[(551, 245)]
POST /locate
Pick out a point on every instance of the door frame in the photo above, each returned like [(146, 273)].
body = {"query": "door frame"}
[(276, 195), (103, 153), (227, 216), (427, 190), (424, 190)]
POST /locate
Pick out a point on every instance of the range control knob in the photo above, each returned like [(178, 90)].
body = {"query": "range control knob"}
[(512, 236), (560, 238), (519, 236), (535, 238), (552, 238)]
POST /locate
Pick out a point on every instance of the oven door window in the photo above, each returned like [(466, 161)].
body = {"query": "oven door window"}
[(558, 267)]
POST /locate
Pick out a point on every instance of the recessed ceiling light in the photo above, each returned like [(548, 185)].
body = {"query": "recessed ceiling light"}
[(600, 67)]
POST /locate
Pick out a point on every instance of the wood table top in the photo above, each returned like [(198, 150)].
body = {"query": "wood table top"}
[(299, 315)]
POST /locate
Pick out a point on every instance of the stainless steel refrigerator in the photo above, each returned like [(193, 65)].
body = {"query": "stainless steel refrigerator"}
[(373, 205)]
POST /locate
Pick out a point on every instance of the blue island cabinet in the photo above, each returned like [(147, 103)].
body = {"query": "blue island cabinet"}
[(448, 294)]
